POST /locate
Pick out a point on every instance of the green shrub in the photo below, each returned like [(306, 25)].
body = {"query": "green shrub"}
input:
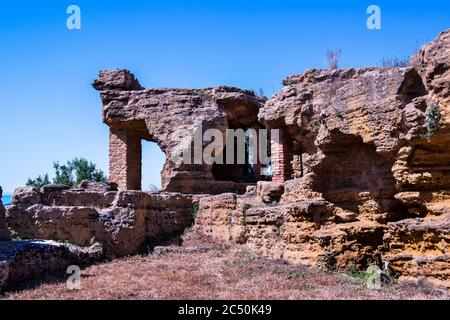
[(195, 209), (244, 212), (434, 116), (70, 174)]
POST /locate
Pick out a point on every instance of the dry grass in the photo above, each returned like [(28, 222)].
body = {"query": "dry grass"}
[(222, 273)]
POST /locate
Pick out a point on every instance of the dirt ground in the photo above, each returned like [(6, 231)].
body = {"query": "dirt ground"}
[(221, 272)]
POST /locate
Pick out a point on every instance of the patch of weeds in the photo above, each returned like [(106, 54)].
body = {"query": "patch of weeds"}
[(393, 277), (291, 275), (289, 82), (195, 209), (355, 275), (338, 113), (395, 62), (314, 126), (295, 275), (260, 93), (309, 286), (342, 278), (434, 117), (278, 271), (372, 278), (245, 208)]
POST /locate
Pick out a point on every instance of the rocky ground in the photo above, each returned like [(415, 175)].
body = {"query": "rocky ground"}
[(203, 269)]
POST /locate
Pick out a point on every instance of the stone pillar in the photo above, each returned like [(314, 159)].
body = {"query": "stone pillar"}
[(125, 159), (281, 157)]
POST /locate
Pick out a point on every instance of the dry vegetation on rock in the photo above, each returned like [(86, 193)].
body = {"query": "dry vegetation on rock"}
[(223, 272)]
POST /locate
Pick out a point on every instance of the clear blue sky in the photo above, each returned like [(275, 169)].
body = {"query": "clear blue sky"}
[(49, 112)]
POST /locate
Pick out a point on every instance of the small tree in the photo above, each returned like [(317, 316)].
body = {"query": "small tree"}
[(39, 182), (70, 174), (85, 170), (333, 58), (434, 117), (63, 174)]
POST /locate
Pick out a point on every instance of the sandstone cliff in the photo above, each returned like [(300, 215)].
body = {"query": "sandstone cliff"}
[(370, 172)]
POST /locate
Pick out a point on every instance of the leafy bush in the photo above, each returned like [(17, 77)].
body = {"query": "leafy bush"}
[(434, 116), (39, 182), (195, 209), (245, 208), (70, 174)]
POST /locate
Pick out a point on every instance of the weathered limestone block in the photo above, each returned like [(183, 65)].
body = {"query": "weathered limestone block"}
[(26, 196), (77, 225), (78, 198), (117, 80), (262, 231), (122, 222), (270, 192), (87, 185), (23, 260), (4, 232), (420, 248), (433, 61), (215, 215), (307, 231)]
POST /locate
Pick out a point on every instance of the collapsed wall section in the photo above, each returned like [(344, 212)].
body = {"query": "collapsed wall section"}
[(123, 223)]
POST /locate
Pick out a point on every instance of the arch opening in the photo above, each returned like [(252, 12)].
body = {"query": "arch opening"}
[(153, 159)]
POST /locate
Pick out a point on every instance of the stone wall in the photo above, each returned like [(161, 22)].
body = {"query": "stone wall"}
[(123, 223)]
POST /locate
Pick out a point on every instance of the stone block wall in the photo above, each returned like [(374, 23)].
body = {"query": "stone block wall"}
[(121, 222)]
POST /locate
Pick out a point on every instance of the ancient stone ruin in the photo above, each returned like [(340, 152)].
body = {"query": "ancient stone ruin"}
[(360, 174)]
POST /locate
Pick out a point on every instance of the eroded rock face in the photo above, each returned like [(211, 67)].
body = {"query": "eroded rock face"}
[(4, 232), (103, 187), (117, 80), (270, 192), (371, 171), (420, 248), (23, 260), (122, 222)]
